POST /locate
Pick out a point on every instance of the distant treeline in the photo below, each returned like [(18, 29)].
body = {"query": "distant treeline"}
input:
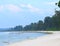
[(49, 23)]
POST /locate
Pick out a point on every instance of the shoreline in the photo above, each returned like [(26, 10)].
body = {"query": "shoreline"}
[(47, 40), (46, 32)]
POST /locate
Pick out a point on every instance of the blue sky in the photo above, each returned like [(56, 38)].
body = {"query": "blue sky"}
[(23, 12)]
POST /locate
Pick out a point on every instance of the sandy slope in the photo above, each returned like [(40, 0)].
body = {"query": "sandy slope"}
[(48, 40)]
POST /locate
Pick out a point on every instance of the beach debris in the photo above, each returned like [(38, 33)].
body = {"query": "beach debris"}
[(5, 42)]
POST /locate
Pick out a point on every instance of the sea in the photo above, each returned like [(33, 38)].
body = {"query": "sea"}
[(11, 37)]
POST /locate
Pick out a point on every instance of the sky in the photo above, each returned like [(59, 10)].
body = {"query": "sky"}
[(24, 12)]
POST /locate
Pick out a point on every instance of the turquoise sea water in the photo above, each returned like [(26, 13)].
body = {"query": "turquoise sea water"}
[(10, 37)]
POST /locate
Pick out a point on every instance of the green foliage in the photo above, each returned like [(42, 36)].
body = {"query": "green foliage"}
[(48, 22), (18, 28), (40, 25), (58, 4)]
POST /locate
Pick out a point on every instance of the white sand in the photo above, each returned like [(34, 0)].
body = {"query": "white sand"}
[(48, 40)]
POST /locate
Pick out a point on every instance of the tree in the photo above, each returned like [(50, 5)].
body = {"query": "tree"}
[(47, 22), (18, 28), (56, 20), (32, 26), (58, 4), (40, 25), (27, 27)]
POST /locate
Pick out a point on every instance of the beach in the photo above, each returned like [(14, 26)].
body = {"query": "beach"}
[(47, 40)]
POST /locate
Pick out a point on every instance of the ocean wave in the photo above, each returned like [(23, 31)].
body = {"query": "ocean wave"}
[(3, 33)]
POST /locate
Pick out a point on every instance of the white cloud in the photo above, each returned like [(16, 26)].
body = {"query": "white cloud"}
[(23, 5), (49, 3), (30, 7), (33, 9), (10, 7), (13, 8), (1, 7)]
